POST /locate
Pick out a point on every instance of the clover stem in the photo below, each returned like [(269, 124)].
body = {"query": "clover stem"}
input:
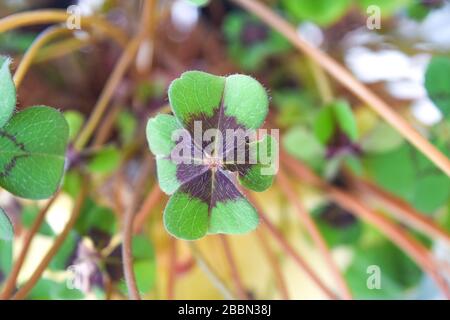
[(241, 292), (10, 283), (273, 261), (172, 274), (278, 236), (127, 256), (46, 36), (314, 232), (26, 288), (349, 81), (210, 273), (36, 17)]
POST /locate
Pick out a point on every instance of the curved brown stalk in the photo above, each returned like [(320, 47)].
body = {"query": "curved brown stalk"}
[(36, 17), (395, 233), (349, 81), (290, 250), (210, 273), (172, 274), (10, 283), (314, 232), (26, 288), (150, 201), (273, 261), (241, 292), (127, 256), (400, 209), (44, 37)]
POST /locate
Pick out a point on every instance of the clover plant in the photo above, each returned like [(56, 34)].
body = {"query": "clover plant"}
[(205, 197)]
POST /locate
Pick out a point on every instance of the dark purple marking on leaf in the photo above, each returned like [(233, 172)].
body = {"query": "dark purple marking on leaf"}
[(186, 172), (7, 168), (212, 187)]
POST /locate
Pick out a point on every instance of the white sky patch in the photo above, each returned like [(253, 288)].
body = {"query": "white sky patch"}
[(184, 15), (311, 33)]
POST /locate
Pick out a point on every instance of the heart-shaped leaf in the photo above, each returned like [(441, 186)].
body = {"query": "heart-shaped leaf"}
[(7, 92), (6, 227), (205, 196), (32, 152)]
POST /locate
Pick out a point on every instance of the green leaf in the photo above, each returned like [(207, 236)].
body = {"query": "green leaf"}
[(126, 124), (303, 144), (432, 191), (437, 83), (159, 134), (32, 152), (75, 120), (105, 160), (6, 258), (199, 3), (322, 12), (196, 95), (233, 217), (383, 138), (186, 218), (6, 227), (259, 176), (7, 90), (324, 126), (345, 119), (246, 100), (398, 272), (394, 171)]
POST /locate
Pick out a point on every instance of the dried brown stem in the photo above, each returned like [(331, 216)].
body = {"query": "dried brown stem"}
[(290, 250), (400, 209), (26, 288), (241, 292), (172, 274), (10, 283), (314, 232), (273, 261)]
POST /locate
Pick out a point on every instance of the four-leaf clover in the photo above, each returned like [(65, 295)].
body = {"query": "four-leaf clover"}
[(205, 196)]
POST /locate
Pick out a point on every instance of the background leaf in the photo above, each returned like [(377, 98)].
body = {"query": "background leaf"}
[(437, 83), (7, 91), (6, 227), (32, 152)]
